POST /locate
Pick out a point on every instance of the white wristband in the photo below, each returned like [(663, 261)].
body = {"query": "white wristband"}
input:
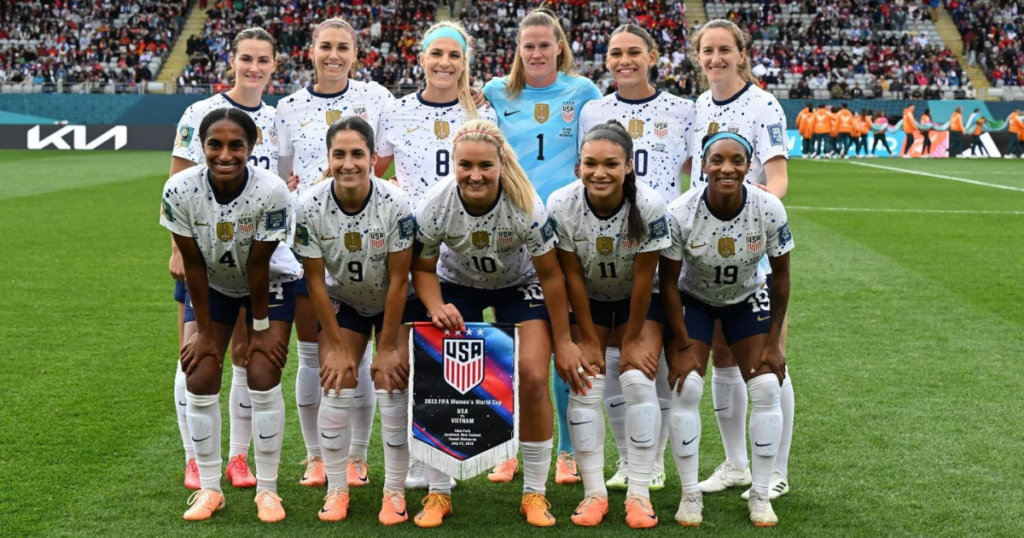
[(260, 324)]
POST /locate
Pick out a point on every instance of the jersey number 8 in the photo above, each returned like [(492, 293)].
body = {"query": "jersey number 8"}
[(443, 163)]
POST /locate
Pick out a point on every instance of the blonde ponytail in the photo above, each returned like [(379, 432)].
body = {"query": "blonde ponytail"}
[(465, 92), (513, 179), (566, 64)]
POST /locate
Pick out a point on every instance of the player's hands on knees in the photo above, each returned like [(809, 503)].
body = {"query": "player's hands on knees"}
[(293, 182), (270, 346), (593, 355), (448, 317), (637, 356), (199, 346), (573, 368), (176, 266), (772, 357), (337, 369), (681, 361), (393, 372)]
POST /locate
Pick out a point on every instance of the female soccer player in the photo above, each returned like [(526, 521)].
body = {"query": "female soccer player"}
[(721, 232), (416, 135), (252, 60), (228, 219), (734, 104), (485, 240), (302, 122), (659, 124), (360, 229), (611, 227), (538, 107)]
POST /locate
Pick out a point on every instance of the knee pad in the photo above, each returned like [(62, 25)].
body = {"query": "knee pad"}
[(307, 387), (765, 433), (201, 429), (334, 418), (685, 433), (583, 425), (640, 424), (722, 397), (394, 415), (365, 393), (268, 428)]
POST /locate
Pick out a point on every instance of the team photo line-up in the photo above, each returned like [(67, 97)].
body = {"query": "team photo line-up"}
[(562, 210)]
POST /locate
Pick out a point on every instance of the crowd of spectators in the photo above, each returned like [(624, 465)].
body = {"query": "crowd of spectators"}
[(86, 45), (991, 31)]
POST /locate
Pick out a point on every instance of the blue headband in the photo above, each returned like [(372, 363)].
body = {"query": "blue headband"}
[(731, 136), (444, 31)]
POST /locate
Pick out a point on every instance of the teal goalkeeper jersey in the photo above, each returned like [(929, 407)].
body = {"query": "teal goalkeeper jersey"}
[(541, 125)]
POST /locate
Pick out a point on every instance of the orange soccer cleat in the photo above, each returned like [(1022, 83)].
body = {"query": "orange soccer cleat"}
[(639, 513), (315, 475), (566, 471), (358, 473), (535, 508), (269, 507), (335, 505), (392, 510), (203, 504), (503, 473), (238, 472), (591, 511), (436, 507), (192, 476)]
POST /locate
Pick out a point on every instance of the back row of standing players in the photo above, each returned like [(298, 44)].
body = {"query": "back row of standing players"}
[(544, 111)]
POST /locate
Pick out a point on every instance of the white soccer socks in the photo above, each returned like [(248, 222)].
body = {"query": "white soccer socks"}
[(643, 428), (394, 422), (180, 402), (536, 465), (307, 395), (730, 400), (684, 424), (439, 482), (335, 424), (364, 404), (614, 401), (203, 414), (765, 429), (240, 413), (664, 402), (268, 429), (586, 427), (787, 403)]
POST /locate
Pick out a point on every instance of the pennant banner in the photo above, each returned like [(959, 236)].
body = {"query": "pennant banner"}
[(464, 410)]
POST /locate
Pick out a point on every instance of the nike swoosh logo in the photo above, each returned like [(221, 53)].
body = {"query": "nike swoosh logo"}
[(639, 442), (616, 405), (507, 113), (759, 444), (201, 224), (759, 318), (402, 513), (303, 124), (395, 446), (182, 404), (690, 441), (273, 306), (571, 423), (652, 516), (665, 408), (362, 478), (324, 435), (534, 305), (328, 238), (717, 409), (194, 440), (243, 406), (455, 237), (307, 405), (414, 129), (322, 511), (579, 240), (698, 246), (268, 437)]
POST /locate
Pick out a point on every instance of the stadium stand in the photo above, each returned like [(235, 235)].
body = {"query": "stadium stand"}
[(991, 33), (85, 47)]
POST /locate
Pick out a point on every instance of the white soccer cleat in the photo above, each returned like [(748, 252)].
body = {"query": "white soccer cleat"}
[(778, 487), (657, 477), (761, 513), (691, 510), (619, 481), (727, 475), (417, 477)]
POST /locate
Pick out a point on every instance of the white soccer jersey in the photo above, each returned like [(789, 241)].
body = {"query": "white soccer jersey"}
[(355, 246), (188, 146), (660, 127), (603, 245), (419, 134), (753, 114), (489, 251), (225, 229), (721, 254), (304, 117)]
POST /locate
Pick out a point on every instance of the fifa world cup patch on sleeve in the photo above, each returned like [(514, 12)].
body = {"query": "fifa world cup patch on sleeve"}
[(775, 134), (407, 227), (167, 212), (658, 228), (277, 220), (302, 235), (785, 236), (548, 230)]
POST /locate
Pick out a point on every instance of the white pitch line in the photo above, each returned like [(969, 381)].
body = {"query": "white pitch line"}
[(937, 176), (884, 210)]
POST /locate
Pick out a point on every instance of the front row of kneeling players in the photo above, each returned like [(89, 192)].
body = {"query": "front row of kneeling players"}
[(484, 229)]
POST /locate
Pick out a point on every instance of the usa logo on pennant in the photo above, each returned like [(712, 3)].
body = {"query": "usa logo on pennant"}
[(568, 111), (754, 243), (246, 225), (377, 239), (463, 363)]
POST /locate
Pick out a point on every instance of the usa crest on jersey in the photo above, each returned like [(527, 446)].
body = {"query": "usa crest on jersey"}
[(377, 239), (661, 128), (506, 238), (360, 110), (568, 111), (463, 363), (754, 243)]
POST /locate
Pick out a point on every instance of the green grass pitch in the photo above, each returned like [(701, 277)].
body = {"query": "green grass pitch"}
[(905, 341)]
